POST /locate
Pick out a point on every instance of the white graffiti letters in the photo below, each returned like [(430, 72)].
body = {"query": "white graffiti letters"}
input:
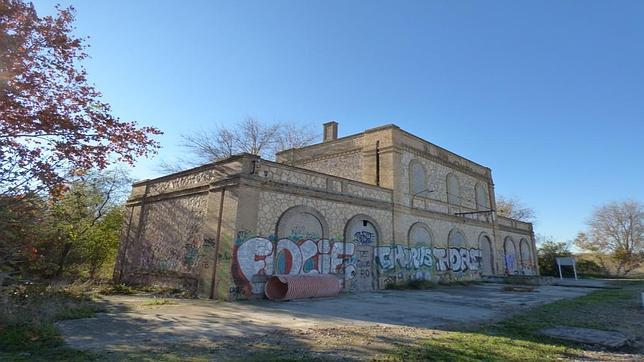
[(454, 259), (260, 256), (458, 259)]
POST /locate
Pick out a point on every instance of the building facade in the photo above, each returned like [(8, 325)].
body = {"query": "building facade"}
[(376, 208)]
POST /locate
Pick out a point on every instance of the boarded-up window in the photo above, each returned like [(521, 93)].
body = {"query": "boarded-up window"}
[(362, 232), (417, 178), (453, 190), (419, 235), (482, 199), (525, 252), (510, 252), (486, 256), (301, 222), (456, 239)]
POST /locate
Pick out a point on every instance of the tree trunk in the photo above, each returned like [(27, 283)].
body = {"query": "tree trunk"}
[(61, 262)]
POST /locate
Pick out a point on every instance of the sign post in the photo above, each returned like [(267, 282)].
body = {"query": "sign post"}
[(568, 260)]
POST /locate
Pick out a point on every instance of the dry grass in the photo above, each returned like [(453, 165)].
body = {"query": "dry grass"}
[(28, 313)]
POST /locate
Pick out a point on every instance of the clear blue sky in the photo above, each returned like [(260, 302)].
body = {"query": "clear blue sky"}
[(549, 94)]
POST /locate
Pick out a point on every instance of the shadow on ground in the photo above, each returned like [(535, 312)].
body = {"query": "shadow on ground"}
[(403, 324)]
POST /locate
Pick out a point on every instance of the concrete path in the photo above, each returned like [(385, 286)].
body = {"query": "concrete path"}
[(610, 339), (131, 321), (586, 283)]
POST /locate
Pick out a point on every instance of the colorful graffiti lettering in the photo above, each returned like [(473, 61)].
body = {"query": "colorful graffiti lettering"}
[(510, 262), (408, 258), (258, 257), (454, 259), (262, 257), (191, 255)]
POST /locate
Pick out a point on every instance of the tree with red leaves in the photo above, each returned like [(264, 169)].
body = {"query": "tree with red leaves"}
[(54, 128), (52, 121)]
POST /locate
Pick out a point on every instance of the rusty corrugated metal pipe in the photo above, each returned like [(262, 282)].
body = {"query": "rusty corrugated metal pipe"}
[(287, 287)]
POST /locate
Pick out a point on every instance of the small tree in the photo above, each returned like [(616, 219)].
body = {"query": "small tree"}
[(548, 253), (101, 242), (20, 221), (514, 209), (616, 230), (79, 230)]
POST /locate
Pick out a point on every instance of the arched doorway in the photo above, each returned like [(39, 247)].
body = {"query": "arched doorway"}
[(526, 262), (487, 256), (362, 231), (510, 252)]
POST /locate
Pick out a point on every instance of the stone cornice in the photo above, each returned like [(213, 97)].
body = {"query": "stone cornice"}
[(186, 191), (287, 188), (327, 156), (446, 163), (513, 230), (455, 219)]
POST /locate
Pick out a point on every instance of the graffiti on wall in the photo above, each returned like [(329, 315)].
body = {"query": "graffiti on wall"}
[(416, 262), (510, 262), (258, 257), (364, 237), (457, 259), (262, 257), (420, 260)]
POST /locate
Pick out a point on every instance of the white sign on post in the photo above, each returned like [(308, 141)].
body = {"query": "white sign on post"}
[(568, 260)]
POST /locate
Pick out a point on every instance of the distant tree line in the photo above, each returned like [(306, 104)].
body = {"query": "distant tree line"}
[(612, 245)]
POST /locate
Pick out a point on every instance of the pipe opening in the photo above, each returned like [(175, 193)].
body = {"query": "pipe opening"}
[(276, 289)]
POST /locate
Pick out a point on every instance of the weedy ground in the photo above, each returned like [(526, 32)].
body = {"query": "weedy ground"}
[(28, 332)]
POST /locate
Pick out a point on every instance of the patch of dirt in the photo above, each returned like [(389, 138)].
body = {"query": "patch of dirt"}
[(340, 343), (514, 288)]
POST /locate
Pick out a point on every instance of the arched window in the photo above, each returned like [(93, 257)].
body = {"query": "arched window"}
[(510, 252), (420, 235), (457, 252), (525, 252), (453, 190), (487, 255), (301, 222), (361, 230), (482, 198), (417, 178), (456, 239)]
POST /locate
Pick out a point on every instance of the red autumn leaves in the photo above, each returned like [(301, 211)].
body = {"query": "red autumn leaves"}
[(51, 119)]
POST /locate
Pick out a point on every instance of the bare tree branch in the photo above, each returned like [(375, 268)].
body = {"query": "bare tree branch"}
[(617, 229), (514, 209), (248, 136)]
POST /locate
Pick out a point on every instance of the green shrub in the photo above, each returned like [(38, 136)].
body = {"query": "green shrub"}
[(28, 335)]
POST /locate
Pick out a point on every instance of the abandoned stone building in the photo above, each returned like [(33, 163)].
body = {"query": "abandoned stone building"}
[(375, 208)]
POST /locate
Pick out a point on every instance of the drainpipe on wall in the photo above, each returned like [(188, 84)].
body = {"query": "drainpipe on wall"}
[(377, 163), (393, 240)]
